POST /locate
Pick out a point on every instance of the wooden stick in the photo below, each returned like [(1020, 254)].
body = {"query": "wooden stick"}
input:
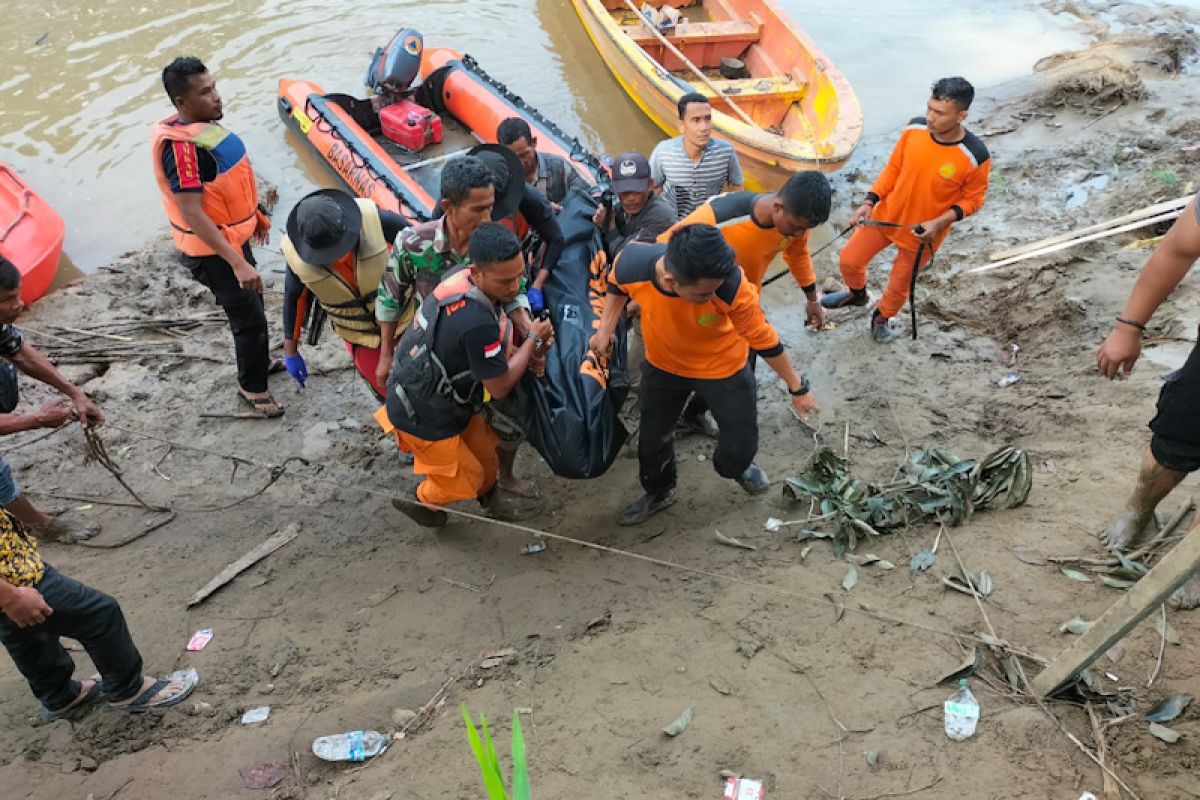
[(1045, 251), (112, 336), (676, 52), (1148, 211), (1111, 790), (1131, 608), (1162, 647), (276, 541)]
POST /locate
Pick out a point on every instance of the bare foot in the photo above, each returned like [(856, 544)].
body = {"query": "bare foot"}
[(169, 692), (66, 531), (520, 488), (1186, 597), (1128, 532)]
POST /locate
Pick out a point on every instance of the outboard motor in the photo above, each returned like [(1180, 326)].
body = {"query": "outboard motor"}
[(394, 68)]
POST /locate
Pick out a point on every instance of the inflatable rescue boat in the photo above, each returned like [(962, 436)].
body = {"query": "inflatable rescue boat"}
[(391, 147), (31, 234)]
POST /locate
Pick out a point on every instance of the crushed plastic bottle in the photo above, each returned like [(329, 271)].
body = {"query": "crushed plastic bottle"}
[(352, 746), (962, 713)]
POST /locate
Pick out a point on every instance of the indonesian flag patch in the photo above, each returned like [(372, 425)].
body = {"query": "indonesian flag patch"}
[(492, 350)]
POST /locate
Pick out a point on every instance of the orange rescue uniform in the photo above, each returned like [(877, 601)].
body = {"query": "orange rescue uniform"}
[(923, 179), (709, 340), (754, 245)]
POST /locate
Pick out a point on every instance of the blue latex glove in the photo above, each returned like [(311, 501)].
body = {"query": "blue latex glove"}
[(296, 368), (537, 302)]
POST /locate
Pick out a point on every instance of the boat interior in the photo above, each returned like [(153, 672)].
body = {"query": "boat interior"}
[(424, 165), (733, 44)]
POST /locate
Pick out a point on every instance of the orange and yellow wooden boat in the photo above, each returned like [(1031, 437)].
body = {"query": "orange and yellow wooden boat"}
[(804, 111)]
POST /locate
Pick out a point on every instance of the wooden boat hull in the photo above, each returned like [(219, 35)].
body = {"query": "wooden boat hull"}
[(806, 113), (31, 234), (342, 131)]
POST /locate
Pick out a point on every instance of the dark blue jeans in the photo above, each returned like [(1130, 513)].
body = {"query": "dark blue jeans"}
[(94, 620)]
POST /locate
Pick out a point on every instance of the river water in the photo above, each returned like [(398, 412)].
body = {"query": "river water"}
[(80, 89)]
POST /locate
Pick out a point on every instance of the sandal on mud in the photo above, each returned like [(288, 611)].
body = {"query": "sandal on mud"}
[(66, 531), (276, 366), (81, 707), (261, 405), (145, 700)]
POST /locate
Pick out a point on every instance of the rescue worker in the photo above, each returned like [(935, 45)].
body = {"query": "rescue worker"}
[(937, 175), (209, 192), (336, 250), (452, 359), (552, 175), (1174, 449), (700, 319), (424, 254), (524, 210), (757, 227)]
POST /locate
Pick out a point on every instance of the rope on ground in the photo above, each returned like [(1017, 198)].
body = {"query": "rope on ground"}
[(284, 470)]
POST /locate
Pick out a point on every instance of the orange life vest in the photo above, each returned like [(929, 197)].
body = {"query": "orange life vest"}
[(230, 200)]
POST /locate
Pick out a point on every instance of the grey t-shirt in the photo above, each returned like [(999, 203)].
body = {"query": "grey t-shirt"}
[(645, 226), (688, 184)]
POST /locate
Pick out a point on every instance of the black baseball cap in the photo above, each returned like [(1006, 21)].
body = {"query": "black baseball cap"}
[(630, 173), (324, 226)]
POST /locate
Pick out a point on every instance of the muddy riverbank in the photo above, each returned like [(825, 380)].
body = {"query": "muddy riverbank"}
[(364, 614)]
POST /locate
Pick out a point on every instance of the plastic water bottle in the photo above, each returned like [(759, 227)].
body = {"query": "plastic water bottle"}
[(962, 713), (352, 746)]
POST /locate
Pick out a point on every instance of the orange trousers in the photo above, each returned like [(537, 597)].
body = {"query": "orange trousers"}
[(462, 467), (864, 245)]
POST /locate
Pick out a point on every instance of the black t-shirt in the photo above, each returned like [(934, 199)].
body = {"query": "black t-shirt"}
[(468, 338)]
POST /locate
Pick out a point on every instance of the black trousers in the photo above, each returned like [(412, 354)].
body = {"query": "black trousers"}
[(1176, 440), (90, 617), (246, 313), (733, 402), (696, 406)]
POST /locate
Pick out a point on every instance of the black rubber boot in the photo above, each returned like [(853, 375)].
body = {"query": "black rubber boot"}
[(646, 507), (846, 297), (411, 507)]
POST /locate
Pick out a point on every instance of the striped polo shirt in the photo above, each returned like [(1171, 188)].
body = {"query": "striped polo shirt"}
[(687, 183)]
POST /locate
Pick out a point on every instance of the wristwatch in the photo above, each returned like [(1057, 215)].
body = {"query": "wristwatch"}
[(804, 387)]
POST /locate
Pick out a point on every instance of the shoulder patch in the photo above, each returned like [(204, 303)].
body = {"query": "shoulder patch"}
[(727, 292), (635, 264), (974, 147), (732, 205)]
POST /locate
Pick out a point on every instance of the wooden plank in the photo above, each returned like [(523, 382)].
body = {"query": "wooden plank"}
[(1175, 568), (1148, 211), (273, 543), (1054, 248)]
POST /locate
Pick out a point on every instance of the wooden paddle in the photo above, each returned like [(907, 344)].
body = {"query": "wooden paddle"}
[(676, 52)]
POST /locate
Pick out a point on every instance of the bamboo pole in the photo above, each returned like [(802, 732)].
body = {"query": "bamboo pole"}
[(678, 54), (1148, 211), (1054, 248)]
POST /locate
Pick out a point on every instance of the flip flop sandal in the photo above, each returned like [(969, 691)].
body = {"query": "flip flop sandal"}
[(277, 366), (143, 703), (260, 404), (80, 709)]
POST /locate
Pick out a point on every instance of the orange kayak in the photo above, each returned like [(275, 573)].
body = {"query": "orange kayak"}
[(346, 132), (31, 234), (776, 96)]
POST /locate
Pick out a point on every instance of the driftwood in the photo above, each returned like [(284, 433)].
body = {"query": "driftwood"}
[(1148, 211), (270, 545)]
